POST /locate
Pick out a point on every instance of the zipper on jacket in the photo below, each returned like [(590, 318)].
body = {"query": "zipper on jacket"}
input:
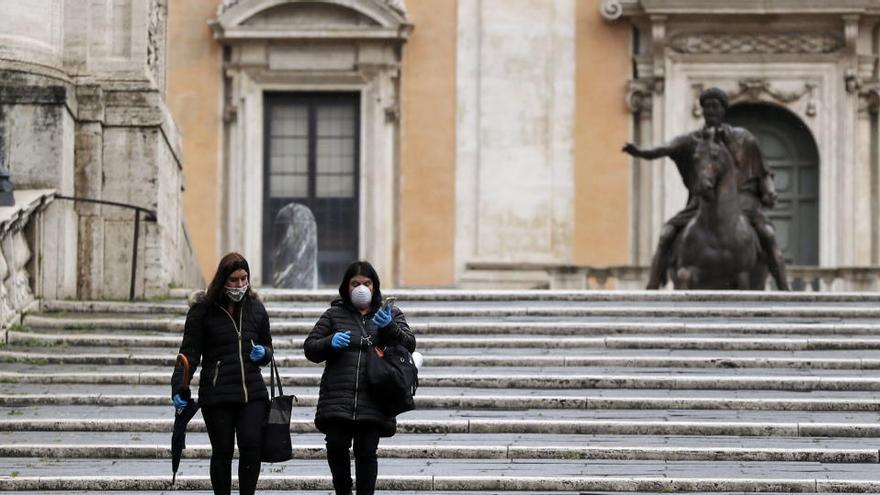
[(240, 360), (216, 374), (357, 371)]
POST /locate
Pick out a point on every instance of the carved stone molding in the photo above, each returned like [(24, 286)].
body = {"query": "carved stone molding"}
[(757, 43), (869, 98), (759, 89), (639, 97)]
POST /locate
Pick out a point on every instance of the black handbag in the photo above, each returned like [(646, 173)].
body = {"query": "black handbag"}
[(276, 446), (393, 378)]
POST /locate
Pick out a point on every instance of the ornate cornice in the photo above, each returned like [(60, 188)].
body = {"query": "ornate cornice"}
[(613, 10), (760, 89), (756, 43)]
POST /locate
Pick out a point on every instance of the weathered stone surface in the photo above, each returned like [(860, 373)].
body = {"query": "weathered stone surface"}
[(295, 254)]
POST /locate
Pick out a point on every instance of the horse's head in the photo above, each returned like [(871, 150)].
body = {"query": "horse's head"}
[(712, 162)]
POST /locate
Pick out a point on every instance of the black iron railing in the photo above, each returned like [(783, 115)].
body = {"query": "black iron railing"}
[(149, 215)]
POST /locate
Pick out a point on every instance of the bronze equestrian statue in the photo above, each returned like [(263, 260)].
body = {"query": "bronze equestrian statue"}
[(755, 186), (718, 248)]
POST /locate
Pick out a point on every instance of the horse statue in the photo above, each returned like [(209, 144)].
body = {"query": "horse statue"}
[(718, 248)]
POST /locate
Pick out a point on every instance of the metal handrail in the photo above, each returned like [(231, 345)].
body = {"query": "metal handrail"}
[(149, 215)]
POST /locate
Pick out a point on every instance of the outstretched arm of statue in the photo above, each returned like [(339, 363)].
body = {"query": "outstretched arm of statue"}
[(651, 153)]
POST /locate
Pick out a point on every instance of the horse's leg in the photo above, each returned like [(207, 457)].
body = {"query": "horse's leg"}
[(685, 278), (772, 251), (660, 261)]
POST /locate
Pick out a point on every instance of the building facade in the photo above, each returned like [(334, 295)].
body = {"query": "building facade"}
[(477, 142)]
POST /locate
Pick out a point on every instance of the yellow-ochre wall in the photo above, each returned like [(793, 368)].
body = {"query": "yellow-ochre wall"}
[(194, 87), (428, 145), (602, 126)]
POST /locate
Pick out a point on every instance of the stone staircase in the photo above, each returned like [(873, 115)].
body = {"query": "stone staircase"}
[(521, 391)]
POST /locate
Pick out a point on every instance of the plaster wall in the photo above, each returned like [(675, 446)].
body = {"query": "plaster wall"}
[(515, 131)]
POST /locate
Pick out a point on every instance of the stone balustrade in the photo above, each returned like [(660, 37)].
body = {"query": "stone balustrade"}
[(634, 277)]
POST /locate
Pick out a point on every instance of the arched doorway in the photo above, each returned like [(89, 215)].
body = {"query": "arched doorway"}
[(791, 154)]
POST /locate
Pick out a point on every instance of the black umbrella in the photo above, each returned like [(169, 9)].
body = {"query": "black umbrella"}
[(182, 415)]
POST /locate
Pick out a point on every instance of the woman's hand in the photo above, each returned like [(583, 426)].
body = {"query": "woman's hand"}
[(179, 401), (382, 318), (341, 340), (258, 352)]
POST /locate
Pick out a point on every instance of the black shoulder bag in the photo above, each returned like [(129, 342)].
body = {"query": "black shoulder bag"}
[(276, 446), (393, 378)]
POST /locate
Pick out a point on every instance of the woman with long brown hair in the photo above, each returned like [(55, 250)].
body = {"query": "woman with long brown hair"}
[(227, 328)]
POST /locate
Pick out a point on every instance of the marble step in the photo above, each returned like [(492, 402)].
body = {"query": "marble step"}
[(504, 425), (485, 451), (581, 327), (558, 310), (685, 379), (440, 360), (461, 475), (508, 402), (790, 343), (289, 295), (533, 440)]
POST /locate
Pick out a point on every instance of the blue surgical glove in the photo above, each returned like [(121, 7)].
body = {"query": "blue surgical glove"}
[(258, 352), (382, 318), (341, 340), (179, 401)]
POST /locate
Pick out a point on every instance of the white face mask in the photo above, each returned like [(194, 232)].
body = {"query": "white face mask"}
[(361, 296), (236, 294)]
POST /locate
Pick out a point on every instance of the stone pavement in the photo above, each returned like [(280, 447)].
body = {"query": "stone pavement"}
[(521, 392)]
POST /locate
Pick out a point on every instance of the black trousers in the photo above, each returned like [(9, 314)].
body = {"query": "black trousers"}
[(339, 436), (224, 422)]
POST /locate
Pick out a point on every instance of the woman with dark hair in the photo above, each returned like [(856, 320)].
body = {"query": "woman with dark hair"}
[(347, 411), (227, 327)]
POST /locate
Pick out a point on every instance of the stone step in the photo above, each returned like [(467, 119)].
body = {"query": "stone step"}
[(279, 308), (304, 412), (459, 475), (483, 360), (581, 327), (427, 401), (285, 351), (485, 451), (508, 426), (559, 310), (32, 339), (458, 295), (535, 440), (539, 379)]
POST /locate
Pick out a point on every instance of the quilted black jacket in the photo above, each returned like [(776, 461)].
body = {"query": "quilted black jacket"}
[(222, 341), (345, 393)]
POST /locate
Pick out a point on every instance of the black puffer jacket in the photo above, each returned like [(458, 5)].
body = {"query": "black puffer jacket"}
[(345, 393), (212, 335)]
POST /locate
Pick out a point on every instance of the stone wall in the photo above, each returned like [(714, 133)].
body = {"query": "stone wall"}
[(83, 109)]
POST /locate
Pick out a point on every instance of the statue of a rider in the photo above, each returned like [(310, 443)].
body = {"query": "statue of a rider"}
[(755, 185)]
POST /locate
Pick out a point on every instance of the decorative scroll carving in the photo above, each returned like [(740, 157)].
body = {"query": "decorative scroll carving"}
[(755, 89), (639, 97), (757, 43), (611, 10)]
